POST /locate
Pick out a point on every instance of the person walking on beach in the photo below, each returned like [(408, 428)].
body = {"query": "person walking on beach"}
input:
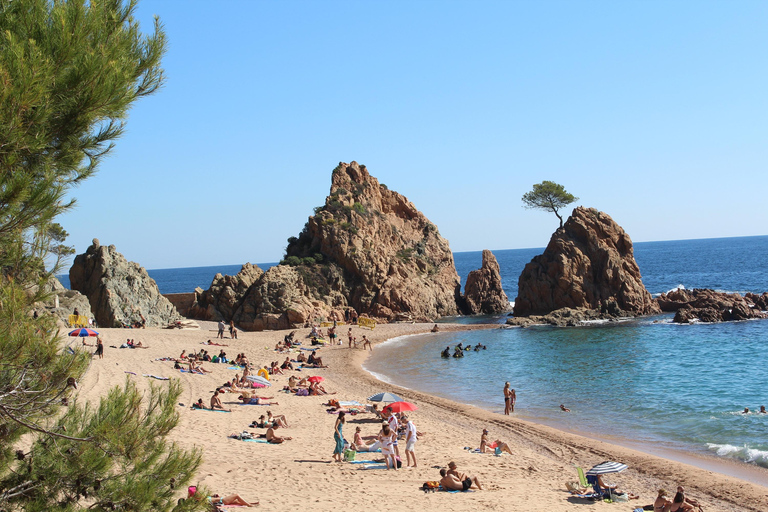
[(221, 330), (338, 451), (99, 348), (410, 442), (367, 342), (509, 399)]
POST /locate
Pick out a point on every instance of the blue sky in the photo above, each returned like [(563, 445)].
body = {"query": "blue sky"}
[(653, 112)]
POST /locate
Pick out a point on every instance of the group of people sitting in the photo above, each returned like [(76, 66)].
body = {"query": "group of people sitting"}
[(680, 502), (451, 479)]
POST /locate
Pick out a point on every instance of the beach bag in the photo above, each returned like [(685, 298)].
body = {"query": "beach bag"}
[(302, 392), (349, 455), (430, 486)]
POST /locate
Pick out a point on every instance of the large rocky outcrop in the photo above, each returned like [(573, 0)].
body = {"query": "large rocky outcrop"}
[(707, 305), (367, 248), (588, 264), (483, 292), (120, 292), (391, 260), (221, 300)]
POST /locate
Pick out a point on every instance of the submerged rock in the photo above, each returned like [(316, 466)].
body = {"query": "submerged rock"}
[(483, 292), (120, 292), (589, 264)]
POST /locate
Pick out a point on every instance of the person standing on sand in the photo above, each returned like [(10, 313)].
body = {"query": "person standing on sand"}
[(509, 404), (410, 442), (338, 451), (221, 330), (367, 342), (99, 348)]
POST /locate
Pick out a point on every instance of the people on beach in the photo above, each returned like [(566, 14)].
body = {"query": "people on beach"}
[(690, 503), (746, 410), (435, 328), (256, 400), (99, 348), (387, 440), (466, 480), (274, 438), (509, 404), (359, 445), (393, 426), (216, 401), (486, 447), (762, 410), (410, 442), (446, 352), (661, 501), (367, 343), (564, 408), (231, 499), (221, 326), (338, 437)]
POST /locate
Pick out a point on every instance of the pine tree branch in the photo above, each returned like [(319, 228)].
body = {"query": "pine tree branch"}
[(5, 412)]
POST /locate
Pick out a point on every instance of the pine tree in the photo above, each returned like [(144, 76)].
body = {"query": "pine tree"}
[(69, 72)]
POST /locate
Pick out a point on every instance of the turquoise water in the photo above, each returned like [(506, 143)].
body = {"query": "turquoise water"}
[(677, 386)]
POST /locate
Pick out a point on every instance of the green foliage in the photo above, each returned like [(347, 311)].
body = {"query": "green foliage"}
[(318, 257), (383, 186), (317, 209), (69, 72), (548, 196), (329, 221), (359, 208), (291, 261), (309, 260), (347, 226)]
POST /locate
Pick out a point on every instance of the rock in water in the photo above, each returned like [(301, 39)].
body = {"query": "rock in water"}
[(120, 292), (706, 305), (588, 264), (483, 292)]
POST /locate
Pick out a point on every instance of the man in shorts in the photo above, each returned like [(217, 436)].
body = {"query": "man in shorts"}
[(410, 442), (393, 426), (451, 482), (465, 479)]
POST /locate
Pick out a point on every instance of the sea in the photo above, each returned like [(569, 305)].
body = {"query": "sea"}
[(646, 383)]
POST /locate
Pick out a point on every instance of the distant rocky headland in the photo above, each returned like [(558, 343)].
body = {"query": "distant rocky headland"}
[(370, 250)]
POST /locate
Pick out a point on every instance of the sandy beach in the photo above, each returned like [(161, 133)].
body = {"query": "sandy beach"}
[(299, 474)]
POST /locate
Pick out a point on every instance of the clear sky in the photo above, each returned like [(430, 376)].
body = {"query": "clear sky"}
[(653, 112)]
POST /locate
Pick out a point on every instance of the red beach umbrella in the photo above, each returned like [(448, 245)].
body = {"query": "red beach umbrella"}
[(401, 406), (315, 378)]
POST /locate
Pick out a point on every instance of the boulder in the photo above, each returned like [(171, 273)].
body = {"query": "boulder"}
[(588, 264), (222, 298), (706, 305), (120, 292), (483, 292), (64, 302)]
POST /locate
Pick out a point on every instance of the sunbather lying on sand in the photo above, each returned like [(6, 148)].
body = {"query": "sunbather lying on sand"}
[(230, 499), (359, 445), (256, 400)]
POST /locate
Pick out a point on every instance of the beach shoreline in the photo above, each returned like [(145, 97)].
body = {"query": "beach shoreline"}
[(530, 480)]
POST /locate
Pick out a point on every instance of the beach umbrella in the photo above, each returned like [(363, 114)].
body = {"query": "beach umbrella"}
[(607, 467), (401, 406), (258, 379), (315, 378), (83, 332), (385, 397)]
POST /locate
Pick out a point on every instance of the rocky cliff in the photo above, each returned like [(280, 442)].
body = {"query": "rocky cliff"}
[(120, 292), (588, 264), (63, 302), (483, 292)]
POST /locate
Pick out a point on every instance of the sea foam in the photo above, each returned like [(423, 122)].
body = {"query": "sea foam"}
[(741, 453)]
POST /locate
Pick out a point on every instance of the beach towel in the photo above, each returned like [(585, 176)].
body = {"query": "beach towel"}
[(209, 410), (347, 404), (155, 376), (183, 370), (373, 466), (130, 373), (234, 368)]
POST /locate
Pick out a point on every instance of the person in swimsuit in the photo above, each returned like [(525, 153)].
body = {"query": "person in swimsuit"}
[(462, 477), (491, 448), (387, 446), (99, 348), (508, 405), (661, 501)]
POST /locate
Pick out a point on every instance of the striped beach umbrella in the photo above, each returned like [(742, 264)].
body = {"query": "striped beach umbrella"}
[(385, 397), (607, 467), (258, 379)]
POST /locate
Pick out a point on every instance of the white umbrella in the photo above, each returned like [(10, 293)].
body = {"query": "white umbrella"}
[(607, 467), (258, 379), (385, 397)]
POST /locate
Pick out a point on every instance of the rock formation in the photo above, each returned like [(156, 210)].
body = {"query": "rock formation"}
[(391, 260), (63, 302), (588, 264), (367, 248), (221, 300), (483, 292), (120, 292), (707, 305)]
